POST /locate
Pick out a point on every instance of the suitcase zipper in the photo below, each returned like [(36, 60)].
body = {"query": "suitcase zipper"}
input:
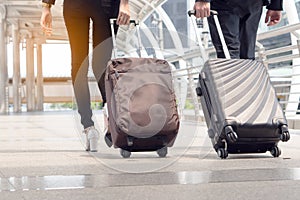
[(117, 72)]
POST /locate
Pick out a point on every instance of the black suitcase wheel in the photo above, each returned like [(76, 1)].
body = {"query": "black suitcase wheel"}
[(222, 153), (275, 151), (230, 134), (231, 137), (285, 136), (108, 139), (199, 91), (162, 152), (125, 153)]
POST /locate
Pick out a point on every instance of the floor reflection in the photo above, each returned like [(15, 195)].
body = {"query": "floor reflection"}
[(56, 182)]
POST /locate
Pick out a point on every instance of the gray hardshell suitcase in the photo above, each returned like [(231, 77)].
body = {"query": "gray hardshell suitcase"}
[(240, 106)]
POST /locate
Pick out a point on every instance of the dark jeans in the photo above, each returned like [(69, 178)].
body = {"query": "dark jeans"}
[(239, 20), (77, 16)]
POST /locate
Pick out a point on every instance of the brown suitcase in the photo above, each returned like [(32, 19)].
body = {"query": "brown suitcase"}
[(141, 105)]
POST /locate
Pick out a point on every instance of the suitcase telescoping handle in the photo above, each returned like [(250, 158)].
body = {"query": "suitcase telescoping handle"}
[(214, 14), (113, 21)]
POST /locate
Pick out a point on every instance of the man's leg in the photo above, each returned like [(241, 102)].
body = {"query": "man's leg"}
[(248, 31), (229, 22)]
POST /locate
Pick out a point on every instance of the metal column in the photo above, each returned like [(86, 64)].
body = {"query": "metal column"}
[(3, 64), (30, 82), (39, 79), (16, 69)]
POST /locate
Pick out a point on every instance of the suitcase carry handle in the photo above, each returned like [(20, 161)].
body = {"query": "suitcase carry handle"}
[(113, 21), (219, 30), (193, 12), (132, 21)]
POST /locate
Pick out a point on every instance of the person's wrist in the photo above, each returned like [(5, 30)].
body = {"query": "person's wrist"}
[(46, 5)]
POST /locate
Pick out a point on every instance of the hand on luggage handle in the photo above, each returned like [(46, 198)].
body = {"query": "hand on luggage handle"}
[(220, 33), (193, 12), (113, 22), (132, 21)]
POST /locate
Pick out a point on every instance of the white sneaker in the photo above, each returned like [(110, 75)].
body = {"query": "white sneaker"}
[(92, 136)]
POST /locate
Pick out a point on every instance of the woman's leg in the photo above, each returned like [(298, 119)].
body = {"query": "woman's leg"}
[(102, 42), (77, 25)]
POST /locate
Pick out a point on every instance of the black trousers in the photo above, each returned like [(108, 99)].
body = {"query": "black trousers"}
[(239, 20), (77, 16)]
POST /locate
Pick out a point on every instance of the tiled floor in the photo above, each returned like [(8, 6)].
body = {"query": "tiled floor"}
[(42, 157)]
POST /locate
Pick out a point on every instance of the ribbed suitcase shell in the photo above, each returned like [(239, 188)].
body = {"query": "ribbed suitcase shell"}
[(237, 93)]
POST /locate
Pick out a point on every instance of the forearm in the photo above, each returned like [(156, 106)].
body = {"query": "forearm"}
[(274, 4)]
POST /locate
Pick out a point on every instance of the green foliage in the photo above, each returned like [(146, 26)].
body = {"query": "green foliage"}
[(96, 105), (63, 106), (189, 105), (73, 106)]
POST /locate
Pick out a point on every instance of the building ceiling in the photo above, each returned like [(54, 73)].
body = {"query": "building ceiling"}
[(24, 15)]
